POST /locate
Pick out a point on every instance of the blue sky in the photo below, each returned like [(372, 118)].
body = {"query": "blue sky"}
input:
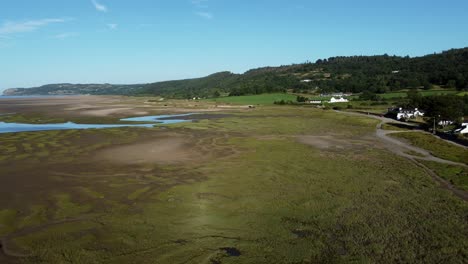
[(139, 41)]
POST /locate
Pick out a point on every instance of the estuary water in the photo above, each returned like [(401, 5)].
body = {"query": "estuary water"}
[(155, 121)]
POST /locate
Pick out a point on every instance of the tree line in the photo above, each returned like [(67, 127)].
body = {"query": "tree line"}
[(440, 107), (356, 74)]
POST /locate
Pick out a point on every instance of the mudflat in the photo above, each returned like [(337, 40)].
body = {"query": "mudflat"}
[(274, 184), (104, 106), (168, 149)]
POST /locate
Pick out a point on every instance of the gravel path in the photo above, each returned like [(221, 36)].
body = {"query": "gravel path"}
[(400, 148)]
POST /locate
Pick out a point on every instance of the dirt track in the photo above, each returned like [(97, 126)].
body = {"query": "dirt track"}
[(400, 148)]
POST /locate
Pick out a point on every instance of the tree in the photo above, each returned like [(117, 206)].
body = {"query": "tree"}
[(415, 99), (369, 96), (445, 107), (427, 85), (301, 99), (451, 84), (413, 83), (461, 82)]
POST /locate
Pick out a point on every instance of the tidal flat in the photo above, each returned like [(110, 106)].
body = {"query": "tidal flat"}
[(274, 184)]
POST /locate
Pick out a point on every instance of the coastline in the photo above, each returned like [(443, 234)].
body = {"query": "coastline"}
[(36, 96)]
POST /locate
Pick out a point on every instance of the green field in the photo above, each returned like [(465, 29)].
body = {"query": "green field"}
[(396, 127), (261, 99), (282, 185), (269, 99), (395, 95), (456, 175)]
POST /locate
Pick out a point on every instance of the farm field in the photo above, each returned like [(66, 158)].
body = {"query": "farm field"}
[(269, 99), (393, 95), (262, 99), (274, 184)]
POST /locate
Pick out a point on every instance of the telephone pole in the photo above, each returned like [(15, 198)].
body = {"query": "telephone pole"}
[(434, 128)]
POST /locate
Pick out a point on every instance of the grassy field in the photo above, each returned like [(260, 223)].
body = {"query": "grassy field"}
[(286, 185), (269, 99), (393, 95), (456, 175), (261, 99), (436, 146), (327, 98), (396, 127)]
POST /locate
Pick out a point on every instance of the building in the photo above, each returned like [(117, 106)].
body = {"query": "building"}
[(338, 100), (338, 94), (462, 130), (315, 102), (405, 114), (445, 123), (335, 94)]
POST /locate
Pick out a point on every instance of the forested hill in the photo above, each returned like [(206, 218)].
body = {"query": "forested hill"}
[(379, 74), (75, 89)]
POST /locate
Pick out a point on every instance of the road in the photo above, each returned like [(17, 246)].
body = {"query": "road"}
[(404, 150)]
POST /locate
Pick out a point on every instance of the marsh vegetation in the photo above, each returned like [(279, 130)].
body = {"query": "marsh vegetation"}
[(269, 185)]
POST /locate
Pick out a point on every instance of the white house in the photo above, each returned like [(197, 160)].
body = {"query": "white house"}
[(463, 129), (402, 114), (337, 94), (445, 123), (306, 81), (339, 100), (315, 102)]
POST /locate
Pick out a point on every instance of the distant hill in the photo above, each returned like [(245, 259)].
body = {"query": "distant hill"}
[(74, 89), (378, 74)]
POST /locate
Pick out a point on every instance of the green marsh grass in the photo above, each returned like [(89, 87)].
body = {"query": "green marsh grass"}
[(397, 127), (273, 199), (436, 146), (456, 175)]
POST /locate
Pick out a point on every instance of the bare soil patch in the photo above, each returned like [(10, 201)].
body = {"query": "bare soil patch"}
[(109, 106), (112, 111), (170, 149), (324, 142), (199, 117)]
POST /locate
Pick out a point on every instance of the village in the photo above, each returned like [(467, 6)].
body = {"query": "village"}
[(408, 114), (402, 114)]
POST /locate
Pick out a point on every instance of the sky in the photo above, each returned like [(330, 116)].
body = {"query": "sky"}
[(141, 41)]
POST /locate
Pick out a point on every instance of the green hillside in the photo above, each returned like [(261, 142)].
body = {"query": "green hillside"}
[(379, 74)]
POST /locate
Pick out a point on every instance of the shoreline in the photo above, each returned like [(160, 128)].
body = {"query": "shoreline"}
[(38, 96)]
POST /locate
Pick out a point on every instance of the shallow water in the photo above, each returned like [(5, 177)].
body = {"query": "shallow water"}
[(21, 127)]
